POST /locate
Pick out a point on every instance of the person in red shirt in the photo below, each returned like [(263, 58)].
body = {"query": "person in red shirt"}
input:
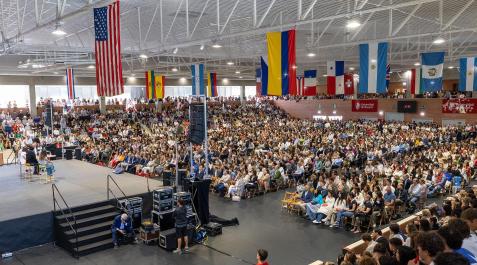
[(262, 256)]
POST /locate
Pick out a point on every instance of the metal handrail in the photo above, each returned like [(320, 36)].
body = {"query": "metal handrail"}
[(70, 223), (109, 190)]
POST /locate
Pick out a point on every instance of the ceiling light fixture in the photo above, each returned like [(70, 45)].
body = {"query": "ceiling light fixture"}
[(439, 41), (230, 63), (311, 54), (91, 66), (417, 64), (237, 72), (175, 50), (58, 30), (351, 68), (216, 46), (451, 67), (352, 24), (174, 69), (143, 56), (202, 47), (240, 77)]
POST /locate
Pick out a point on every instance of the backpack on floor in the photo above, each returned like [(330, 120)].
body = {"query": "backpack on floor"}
[(118, 170)]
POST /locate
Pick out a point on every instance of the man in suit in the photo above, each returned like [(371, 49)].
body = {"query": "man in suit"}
[(122, 229), (31, 158)]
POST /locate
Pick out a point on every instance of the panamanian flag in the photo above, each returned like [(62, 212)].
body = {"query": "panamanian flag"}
[(373, 59), (467, 80)]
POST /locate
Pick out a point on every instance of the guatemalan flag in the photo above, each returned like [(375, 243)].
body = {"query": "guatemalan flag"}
[(198, 85), (467, 80), (335, 77), (281, 63), (373, 59), (309, 83), (432, 67), (70, 83)]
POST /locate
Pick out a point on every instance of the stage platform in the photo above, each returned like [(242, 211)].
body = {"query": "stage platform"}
[(29, 205)]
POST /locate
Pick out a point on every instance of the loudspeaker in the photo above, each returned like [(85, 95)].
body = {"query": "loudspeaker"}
[(168, 238), (196, 134), (167, 179)]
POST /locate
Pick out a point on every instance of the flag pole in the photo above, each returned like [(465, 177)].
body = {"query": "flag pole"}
[(206, 148)]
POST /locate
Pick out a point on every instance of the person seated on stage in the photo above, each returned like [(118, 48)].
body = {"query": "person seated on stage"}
[(122, 230), (31, 159), (180, 216), (262, 256)]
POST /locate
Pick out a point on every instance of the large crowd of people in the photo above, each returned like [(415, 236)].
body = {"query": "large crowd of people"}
[(347, 174)]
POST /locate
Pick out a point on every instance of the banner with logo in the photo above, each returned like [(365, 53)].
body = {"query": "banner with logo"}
[(364, 105), (459, 105)]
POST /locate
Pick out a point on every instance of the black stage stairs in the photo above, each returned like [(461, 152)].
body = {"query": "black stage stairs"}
[(92, 224)]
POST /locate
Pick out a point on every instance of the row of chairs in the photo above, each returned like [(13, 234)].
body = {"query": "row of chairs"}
[(27, 170)]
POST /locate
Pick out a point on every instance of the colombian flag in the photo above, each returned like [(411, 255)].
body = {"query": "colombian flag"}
[(160, 84), (212, 85), (150, 85), (281, 63)]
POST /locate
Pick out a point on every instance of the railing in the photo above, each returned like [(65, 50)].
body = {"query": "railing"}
[(110, 191), (72, 223)]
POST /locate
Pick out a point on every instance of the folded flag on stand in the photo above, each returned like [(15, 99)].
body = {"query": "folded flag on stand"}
[(212, 85), (335, 77), (198, 85), (467, 80), (432, 68), (309, 83), (373, 59), (70, 83), (281, 63), (415, 81)]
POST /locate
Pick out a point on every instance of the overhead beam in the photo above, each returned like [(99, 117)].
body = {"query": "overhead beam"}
[(361, 26), (187, 18), (361, 5), (173, 20), (198, 20), (62, 10), (456, 16), (404, 22), (299, 10), (152, 21), (37, 15), (265, 14), (308, 10), (230, 15), (254, 13)]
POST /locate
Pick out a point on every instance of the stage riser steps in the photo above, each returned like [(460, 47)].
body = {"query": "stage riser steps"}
[(93, 226)]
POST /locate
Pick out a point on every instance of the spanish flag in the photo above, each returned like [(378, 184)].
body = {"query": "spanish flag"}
[(281, 63), (212, 85), (150, 85), (160, 84)]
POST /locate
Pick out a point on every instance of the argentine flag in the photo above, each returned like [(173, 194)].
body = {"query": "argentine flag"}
[(373, 59), (198, 84), (467, 80), (432, 67)]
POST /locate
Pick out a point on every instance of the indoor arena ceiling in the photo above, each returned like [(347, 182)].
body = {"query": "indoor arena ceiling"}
[(175, 33)]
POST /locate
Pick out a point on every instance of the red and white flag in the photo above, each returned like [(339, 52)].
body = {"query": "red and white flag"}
[(109, 70), (348, 84), (70, 83)]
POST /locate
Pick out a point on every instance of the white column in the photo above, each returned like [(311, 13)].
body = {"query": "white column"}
[(242, 93), (32, 99), (102, 105)]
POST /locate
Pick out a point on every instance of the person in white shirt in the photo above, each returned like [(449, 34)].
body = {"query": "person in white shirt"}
[(470, 243)]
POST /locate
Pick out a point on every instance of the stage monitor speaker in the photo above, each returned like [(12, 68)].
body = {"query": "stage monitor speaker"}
[(168, 238), (196, 134)]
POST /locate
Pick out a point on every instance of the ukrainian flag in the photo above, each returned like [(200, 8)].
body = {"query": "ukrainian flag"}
[(160, 84), (150, 85), (212, 85), (281, 63)]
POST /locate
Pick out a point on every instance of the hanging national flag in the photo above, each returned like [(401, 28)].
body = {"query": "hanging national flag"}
[(388, 76), (415, 81), (373, 59), (335, 77), (160, 86), (264, 76), (150, 85), (309, 83), (432, 67), (281, 63), (467, 80), (70, 83), (300, 85), (198, 85), (258, 82), (212, 85), (109, 70), (348, 84)]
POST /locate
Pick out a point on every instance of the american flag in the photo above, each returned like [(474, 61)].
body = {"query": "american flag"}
[(109, 70), (70, 83)]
